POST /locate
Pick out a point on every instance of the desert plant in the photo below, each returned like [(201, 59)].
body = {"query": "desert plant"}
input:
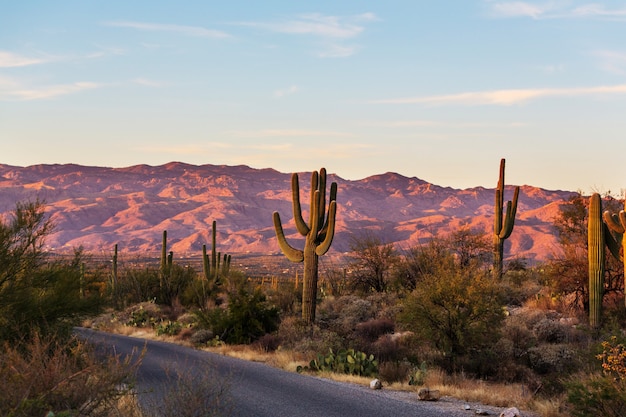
[(344, 361), (458, 310), (372, 262), (247, 316), (38, 294), (602, 394), (616, 223), (319, 233), (67, 378), (503, 226), (595, 247)]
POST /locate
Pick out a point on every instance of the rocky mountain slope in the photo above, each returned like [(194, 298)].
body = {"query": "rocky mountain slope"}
[(97, 207)]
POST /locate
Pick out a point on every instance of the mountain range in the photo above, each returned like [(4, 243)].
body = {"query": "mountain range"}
[(98, 207)]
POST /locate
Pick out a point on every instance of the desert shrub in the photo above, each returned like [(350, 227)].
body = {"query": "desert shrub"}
[(285, 297), (552, 358), (601, 394), (38, 294), (66, 377), (200, 293), (301, 337), (145, 314), (597, 396), (268, 342), (374, 328), (247, 317), (168, 328), (138, 285), (175, 283), (201, 336), (394, 371), (550, 331), (458, 311), (342, 314)]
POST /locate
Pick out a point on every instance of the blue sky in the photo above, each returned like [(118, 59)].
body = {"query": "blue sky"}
[(439, 90)]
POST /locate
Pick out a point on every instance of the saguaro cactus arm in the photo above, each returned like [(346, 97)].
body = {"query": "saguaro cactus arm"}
[(301, 225), (329, 233), (293, 254)]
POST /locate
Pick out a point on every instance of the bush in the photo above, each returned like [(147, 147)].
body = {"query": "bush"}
[(457, 310), (247, 317), (394, 371), (48, 374), (372, 329)]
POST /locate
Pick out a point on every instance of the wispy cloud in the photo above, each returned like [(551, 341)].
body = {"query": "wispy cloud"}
[(552, 10), (180, 29), (286, 92), (9, 59), (276, 133), (13, 91), (400, 123), (317, 24), (505, 97), (330, 31), (147, 83), (612, 61)]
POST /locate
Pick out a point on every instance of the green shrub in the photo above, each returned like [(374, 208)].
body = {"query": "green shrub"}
[(457, 310), (247, 317)]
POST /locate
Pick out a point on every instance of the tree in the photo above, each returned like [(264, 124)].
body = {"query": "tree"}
[(36, 295), (372, 263)]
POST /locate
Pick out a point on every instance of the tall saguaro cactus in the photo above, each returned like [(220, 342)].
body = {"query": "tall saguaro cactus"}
[(616, 222), (595, 253), (319, 233), (503, 226)]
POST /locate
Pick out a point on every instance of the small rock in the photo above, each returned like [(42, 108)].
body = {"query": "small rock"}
[(511, 412), (481, 412), (375, 384), (467, 407)]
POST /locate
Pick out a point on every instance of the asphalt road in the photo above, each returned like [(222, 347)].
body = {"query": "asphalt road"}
[(258, 390)]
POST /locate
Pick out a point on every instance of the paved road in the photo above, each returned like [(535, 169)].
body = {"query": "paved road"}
[(258, 390)]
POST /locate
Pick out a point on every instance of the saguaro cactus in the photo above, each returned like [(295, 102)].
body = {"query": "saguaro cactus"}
[(616, 222), (211, 266), (503, 226), (319, 233), (595, 253)]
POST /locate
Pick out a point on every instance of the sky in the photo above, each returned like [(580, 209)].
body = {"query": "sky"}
[(438, 90)]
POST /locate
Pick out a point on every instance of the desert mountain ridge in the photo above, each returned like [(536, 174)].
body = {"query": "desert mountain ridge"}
[(98, 207)]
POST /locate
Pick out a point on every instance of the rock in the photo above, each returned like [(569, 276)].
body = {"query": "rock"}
[(426, 394), (511, 412), (375, 384), (481, 412)]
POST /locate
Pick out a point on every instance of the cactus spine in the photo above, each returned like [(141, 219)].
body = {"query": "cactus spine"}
[(319, 233), (503, 226), (616, 222), (595, 253)]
